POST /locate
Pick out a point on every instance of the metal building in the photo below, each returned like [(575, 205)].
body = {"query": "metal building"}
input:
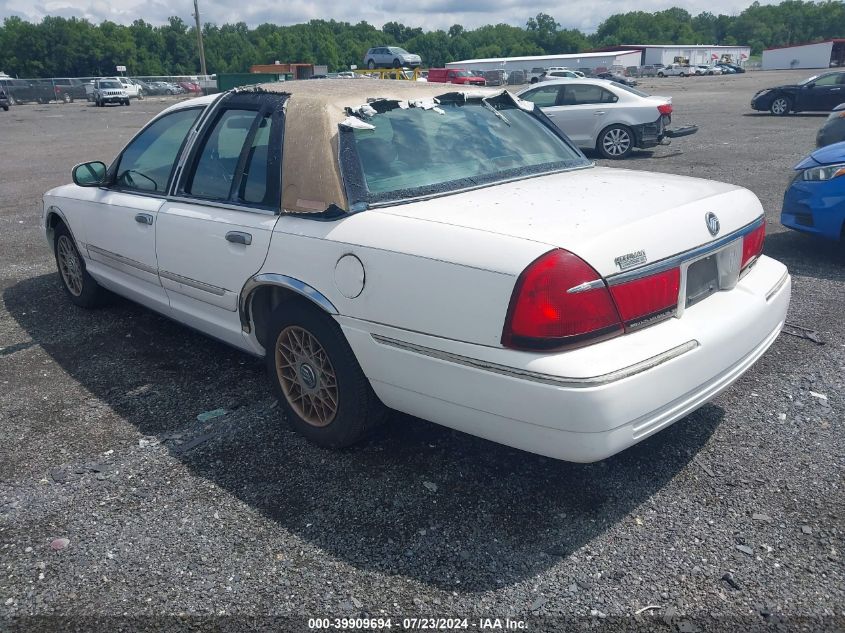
[(817, 55), (694, 54), (575, 61)]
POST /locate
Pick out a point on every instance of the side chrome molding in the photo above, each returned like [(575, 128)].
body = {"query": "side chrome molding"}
[(282, 281)]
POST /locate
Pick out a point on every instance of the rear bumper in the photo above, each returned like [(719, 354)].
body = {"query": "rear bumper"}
[(587, 404)]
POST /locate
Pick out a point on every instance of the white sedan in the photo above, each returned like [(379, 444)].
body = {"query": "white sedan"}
[(606, 116), (448, 254)]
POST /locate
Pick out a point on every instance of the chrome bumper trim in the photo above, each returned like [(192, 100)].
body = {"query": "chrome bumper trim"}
[(522, 374), (776, 288), (680, 258)]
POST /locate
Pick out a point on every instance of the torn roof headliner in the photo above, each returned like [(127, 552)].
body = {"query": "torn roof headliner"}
[(311, 178)]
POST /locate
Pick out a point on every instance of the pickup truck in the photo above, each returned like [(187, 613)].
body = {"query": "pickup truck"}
[(676, 70)]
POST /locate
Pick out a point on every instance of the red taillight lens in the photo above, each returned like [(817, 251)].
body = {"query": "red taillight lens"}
[(647, 298), (666, 108), (752, 245), (545, 313)]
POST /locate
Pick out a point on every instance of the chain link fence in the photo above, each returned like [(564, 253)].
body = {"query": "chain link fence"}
[(70, 89)]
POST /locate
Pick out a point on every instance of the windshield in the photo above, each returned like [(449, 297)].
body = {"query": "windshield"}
[(399, 51), (808, 80), (419, 151), (110, 84), (634, 91)]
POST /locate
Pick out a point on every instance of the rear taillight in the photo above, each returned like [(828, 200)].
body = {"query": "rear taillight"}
[(642, 300), (559, 301), (752, 245), (666, 108)]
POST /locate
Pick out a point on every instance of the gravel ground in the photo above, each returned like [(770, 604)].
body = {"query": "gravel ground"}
[(731, 519)]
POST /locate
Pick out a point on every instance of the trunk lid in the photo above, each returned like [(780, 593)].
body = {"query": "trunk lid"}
[(598, 213)]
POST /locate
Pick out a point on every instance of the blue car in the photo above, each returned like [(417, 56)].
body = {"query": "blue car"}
[(815, 200)]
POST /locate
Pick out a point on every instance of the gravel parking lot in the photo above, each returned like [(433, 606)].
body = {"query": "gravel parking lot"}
[(732, 519)]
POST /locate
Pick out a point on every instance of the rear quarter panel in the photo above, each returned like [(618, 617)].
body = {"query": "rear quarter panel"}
[(447, 281)]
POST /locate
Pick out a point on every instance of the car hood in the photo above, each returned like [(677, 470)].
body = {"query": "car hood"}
[(825, 156), (598, 213)]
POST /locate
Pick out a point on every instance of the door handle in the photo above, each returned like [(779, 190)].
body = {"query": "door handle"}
[(600, 113), (239, 237), (144, 218), (834, 89)]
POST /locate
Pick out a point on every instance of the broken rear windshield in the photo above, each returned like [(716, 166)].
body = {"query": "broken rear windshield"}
[(394, 151)]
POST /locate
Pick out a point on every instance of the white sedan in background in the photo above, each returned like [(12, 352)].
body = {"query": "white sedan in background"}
[(451, 255), (606, 116)]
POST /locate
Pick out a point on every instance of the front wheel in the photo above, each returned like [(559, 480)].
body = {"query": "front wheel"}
[(79, 286), (615, 142), (317, 379), (780, 106), (397, 63)]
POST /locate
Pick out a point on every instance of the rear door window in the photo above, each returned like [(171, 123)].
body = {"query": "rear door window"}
[(238, 159), (545, 97)]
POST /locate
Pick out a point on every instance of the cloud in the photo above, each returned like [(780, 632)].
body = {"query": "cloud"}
[(429, 14)]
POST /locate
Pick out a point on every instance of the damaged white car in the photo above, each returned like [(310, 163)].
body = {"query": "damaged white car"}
[(450, 255)]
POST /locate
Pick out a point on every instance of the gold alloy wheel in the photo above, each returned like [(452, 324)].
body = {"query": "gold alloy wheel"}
[(306, 376), (69, 265)]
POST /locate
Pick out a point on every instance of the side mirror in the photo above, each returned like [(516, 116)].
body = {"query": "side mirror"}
[(91, 174)]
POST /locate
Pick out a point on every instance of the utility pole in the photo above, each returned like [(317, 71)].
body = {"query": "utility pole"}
[(199, 37)]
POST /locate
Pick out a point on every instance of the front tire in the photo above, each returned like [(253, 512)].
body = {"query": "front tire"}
[(317, 379), (79, 286), (616, 142), (397, 63), (780, 106)]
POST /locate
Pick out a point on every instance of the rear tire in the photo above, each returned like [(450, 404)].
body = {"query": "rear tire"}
[(371, 64), (79, 286), (661, 75), (616, 142), (67, 98), (317, 379)]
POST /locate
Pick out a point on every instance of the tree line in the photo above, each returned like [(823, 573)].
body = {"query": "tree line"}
[(61, 47)]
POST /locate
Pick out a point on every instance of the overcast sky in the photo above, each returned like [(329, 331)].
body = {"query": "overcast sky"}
[(429, 14)]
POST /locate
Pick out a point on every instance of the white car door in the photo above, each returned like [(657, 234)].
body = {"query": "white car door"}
[(214, 232), (119, 219)]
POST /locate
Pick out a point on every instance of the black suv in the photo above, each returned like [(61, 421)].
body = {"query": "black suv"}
[(65, 89), (20, 90)]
